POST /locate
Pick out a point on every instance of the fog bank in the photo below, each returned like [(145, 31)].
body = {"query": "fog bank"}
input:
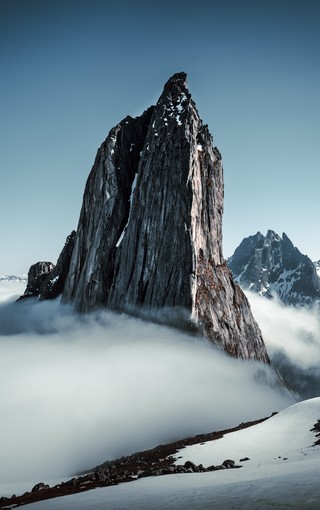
[(292, 337), (77, 391)]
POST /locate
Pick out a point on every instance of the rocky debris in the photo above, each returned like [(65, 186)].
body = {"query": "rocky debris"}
[(45, 280), (40, 487), (189, 467), (158, 461), (316, 429), (229, 463), (149, 237), (271, 265)]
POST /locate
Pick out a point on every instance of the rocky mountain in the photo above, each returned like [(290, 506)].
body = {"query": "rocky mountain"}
[(149, 236), (271, 265)]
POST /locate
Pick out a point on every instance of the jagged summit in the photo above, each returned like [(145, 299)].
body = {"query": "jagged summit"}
[(149, 238), (176, 84), (272, 265)]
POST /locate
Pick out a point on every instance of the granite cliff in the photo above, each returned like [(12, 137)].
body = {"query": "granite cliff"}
[(149, 238)]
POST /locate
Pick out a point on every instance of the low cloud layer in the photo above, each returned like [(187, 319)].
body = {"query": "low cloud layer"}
[(77, 391), (292, 337)]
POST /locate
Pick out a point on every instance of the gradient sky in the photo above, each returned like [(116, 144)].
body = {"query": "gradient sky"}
[(71, 70)]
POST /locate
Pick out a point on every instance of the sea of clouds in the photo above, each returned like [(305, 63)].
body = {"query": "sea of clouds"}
[(76, 391), (292, 337)]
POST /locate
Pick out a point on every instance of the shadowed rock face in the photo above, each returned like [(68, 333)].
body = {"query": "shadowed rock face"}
[(104, 214), (149, 238)]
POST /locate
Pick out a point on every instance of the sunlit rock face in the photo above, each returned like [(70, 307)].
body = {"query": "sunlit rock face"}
[(149, 238), (272, 266)]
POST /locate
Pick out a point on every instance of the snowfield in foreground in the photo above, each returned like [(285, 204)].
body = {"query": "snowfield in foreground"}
[(283, 472)]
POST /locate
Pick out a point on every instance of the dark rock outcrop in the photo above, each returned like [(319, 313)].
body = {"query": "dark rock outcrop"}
[(40, 487), (37, 277), (45, 280), (149, 238), (271, 265)]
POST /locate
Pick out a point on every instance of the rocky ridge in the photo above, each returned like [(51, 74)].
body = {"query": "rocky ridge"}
[(149, 237), (271, 265), (158, 461)]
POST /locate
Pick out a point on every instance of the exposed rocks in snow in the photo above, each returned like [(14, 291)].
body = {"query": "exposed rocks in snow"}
[(316, 430), (40, 487), (188, 467), (271, 265), (155, 462)]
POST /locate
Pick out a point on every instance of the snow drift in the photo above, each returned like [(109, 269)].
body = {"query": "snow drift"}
[(283, 472)]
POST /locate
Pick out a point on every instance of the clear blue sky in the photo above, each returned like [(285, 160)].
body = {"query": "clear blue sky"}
[(71, 69)]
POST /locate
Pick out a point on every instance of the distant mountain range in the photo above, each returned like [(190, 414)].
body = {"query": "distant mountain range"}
[(14, 278), (271, 265)]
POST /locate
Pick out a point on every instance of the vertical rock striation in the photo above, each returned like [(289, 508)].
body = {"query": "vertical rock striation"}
[(149, 239), (104, 214)]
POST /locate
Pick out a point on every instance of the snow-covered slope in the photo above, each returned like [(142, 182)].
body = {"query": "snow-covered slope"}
[(285, 436), (282, 472), (271, 265)]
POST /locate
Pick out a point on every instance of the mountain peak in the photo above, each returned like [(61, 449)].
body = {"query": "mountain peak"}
[(271, 234), (149, 238), (272, 265), (285, 238), (177, 81)]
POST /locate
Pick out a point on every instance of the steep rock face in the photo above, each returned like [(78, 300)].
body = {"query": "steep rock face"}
[(54, 284), (272, 265), (104, 214), (149, 235)]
